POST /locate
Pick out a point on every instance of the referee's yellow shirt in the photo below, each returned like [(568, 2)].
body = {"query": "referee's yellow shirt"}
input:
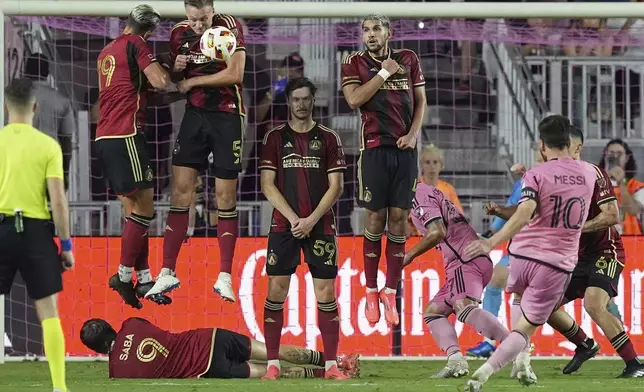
[(28, 158)]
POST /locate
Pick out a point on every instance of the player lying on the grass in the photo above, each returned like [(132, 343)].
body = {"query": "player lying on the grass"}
[(544, 248), (596, 277), (140, 349), (125, 67), (302, 171), (443, 225)]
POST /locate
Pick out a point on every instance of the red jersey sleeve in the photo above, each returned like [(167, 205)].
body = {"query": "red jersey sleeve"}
[(350, 71), (604, 192), (176, 38), (143, 54), (270, 151), (335, 160), (232, 24), (417, 78)]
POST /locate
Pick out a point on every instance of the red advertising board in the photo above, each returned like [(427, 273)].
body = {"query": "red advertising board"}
[(86, 295)]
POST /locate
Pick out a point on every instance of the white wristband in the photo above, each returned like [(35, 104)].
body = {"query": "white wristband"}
[(383, 73)]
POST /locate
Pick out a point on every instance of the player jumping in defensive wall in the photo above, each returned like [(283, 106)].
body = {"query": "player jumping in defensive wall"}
[(388, 87), (140, 349)]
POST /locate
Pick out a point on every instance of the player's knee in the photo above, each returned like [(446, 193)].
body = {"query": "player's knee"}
[(463, 304), (499, 277), (595, 305), (278, 287), (47, 307), (143, 202), (375, 221), (226, 198), (324, 290), (397, 216)]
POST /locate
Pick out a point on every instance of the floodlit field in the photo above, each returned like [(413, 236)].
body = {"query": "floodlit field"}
[(395, 376)]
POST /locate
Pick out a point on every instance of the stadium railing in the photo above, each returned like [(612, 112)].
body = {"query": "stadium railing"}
[(481, 132)]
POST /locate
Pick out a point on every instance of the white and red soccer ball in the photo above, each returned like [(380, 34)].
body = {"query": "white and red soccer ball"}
[(218, 43)]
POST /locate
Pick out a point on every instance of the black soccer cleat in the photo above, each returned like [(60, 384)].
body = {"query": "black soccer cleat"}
[(160, 299), (582, 354), (126, 291), (633, 371)]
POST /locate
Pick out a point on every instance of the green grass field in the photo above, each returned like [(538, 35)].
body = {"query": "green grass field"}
[(397, 376)]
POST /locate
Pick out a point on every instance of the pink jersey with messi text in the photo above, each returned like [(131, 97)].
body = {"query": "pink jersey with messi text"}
[(431, 204), (563, 189)]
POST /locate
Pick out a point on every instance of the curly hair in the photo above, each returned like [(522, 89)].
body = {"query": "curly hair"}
[(630, 169)]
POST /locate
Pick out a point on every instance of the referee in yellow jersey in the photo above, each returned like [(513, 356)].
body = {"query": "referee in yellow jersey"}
[(31, 163)]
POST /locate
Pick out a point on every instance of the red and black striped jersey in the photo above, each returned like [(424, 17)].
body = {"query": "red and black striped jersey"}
[(122, 86), (183, 40), (388, 115), (302, 162)]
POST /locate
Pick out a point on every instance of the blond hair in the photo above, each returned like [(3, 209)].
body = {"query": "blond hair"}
[(432, 149)]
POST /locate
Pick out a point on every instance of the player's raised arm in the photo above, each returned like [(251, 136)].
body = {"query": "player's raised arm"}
[(502, 212), (268, 167)]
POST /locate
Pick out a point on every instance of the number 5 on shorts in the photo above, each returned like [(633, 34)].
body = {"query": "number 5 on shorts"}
[(320, 247), (237, 151)]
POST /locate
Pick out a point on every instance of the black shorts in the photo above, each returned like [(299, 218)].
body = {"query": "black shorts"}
[(125, 164), (33, 253), (320, 253), (387, 177), (202, 132), (602, 272), (230, 356)]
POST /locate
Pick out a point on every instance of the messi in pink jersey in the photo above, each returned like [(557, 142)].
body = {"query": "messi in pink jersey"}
[(443, 226), (545, 228)]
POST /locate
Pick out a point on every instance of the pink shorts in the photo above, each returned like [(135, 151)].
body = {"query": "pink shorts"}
[(541, 288), (464, 281)]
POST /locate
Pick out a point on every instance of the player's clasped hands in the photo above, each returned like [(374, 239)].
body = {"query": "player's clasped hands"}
[(477, 248), (302, 227)]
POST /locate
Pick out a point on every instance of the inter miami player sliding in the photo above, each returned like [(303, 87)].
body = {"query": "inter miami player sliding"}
[(212, 122), (302, 171), (125, 66), (388, 87), (140, 349)]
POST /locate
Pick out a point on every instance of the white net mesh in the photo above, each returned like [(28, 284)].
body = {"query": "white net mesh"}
[(484, 102)]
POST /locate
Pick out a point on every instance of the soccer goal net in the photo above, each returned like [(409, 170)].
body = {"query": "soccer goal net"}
[(492, 72)]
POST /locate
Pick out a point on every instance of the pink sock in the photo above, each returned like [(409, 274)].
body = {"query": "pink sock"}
[(509, 349), (444, 333), (484, 322), (515, 316)]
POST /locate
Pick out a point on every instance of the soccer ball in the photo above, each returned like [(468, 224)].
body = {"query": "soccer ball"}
[(218, 43)]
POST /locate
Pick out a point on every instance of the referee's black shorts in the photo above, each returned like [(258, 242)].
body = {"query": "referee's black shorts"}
[(33, 253)]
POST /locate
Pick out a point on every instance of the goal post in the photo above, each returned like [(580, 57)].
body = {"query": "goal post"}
[(422, 23)]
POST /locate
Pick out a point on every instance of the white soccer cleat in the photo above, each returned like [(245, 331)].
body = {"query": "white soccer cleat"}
[(522, 370), (163, 285), (473, 386), (454, 369), (224, 287)]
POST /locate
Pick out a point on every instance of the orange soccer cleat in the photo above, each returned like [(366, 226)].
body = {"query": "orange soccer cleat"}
[(389, 302), (334, 373), (272, 373), (350, 365), (372, 309)]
